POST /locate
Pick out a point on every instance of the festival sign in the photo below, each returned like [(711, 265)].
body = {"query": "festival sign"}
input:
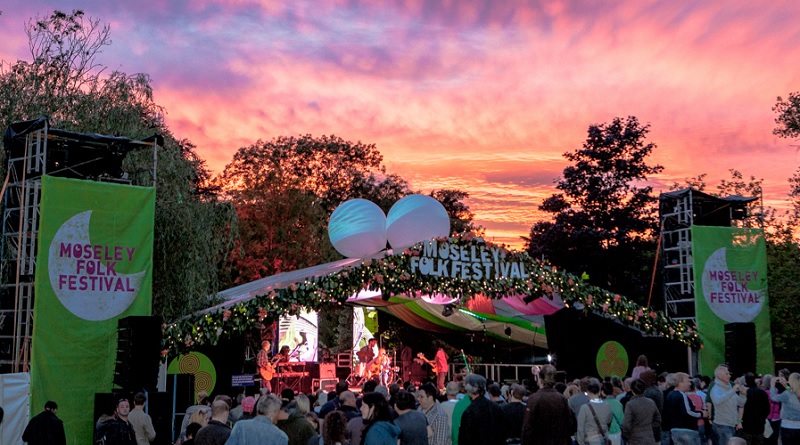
[(468, 262), (730, 274), (94, 266)]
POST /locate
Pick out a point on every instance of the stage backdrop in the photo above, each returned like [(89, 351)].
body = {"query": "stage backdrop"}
[(94, 266), (730, 285)]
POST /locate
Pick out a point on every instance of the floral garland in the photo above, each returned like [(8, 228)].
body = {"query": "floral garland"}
[(390, 275)]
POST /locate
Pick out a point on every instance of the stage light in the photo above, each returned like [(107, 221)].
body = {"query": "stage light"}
[(447, 310), (508, 331), (549, 358)]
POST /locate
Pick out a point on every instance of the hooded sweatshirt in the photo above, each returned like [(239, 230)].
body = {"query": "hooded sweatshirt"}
[(382, 433)]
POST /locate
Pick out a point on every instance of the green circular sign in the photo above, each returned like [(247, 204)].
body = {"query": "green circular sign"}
[(612, 360), (199, 365)]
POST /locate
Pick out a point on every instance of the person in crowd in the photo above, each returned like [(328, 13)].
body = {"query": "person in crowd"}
[(615, 430), (641, 423), (482, 422), (322, 399), (655, 394), (117, 430), (438, 421), (348, 405), (755, 411), (787, 392), (698, 404), (514, 412), (378, 426), (681, 412), (334, 432), (261, 429), (626, 395), (581, 397), (641, 366), (548, 418), (451, 394), (248, 408), (201, 416), (236, 412), (666, 382), (333, 403), (594, 417), (727, 403), (141, 421), (45, 428), (458, 413), (774, 416), (191, 432), (293, 422), (201, 403), (313, 420), (494, 393), (217, 431), (303, 404), (412, 423)]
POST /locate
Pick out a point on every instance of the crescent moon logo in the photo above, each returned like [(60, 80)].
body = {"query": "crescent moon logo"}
[(84, 279), (726, 293)]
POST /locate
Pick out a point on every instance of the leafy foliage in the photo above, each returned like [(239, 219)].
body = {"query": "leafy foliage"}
[(788, 119), (603, 222), (64, 80)]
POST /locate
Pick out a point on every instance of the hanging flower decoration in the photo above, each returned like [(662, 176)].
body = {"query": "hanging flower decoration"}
[(391, 276)]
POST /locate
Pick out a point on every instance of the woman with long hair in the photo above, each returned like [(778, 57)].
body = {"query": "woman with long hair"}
[(641, 366), (334, 431), (789, 397), (378, 426)]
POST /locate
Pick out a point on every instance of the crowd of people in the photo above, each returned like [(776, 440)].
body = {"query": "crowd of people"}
[(667, 408)]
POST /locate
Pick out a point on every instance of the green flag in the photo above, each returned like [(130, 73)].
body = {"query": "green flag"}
[(94, 266), (730, 285)]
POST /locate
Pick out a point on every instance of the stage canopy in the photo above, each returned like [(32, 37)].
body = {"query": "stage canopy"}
[(443, 285)]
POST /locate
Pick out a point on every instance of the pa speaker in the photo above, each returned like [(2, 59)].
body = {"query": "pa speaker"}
[(138, 353), (740, 347)]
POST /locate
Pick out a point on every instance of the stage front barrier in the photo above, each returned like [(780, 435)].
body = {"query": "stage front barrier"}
[(499, 372)]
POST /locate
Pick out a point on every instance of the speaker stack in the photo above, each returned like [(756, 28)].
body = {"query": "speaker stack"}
[(138, 353), (740, 347)]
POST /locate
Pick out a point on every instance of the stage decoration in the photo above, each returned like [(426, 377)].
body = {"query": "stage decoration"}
[(504, 274), (198, 365), (416, 218), (357, 228)]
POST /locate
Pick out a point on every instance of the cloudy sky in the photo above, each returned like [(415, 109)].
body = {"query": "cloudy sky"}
[(480, 95)]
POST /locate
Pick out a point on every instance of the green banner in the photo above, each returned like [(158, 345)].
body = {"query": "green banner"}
[(730, 285), (94, 266)]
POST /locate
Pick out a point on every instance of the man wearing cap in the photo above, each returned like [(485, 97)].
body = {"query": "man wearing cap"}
[(248, 406), (261, 429), (45, 428)]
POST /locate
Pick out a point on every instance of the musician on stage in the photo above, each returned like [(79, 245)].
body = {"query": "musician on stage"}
[(282, 359), (265, 367), (382, 366), (441, 368), (366, 355)]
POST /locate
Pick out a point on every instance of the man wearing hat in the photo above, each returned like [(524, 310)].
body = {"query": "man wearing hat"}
[(248, 404)]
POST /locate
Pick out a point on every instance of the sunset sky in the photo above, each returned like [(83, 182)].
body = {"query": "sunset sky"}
[(484, 96)]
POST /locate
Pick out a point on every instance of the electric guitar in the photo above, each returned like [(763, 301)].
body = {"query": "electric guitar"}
[(421, 357)]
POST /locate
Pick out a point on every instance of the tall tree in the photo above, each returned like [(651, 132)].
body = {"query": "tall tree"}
[(65, 81), (602, 221)]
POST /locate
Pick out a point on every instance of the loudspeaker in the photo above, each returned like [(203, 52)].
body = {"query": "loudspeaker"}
[(138, 353), (740, 348), (159, 407), (327, 371), (327, 385)]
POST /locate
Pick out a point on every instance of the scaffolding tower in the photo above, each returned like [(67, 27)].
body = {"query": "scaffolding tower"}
[(678, 212), (32, 150)]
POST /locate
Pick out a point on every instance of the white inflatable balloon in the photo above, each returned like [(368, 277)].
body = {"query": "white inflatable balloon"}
[(416, 218), (357, 228)]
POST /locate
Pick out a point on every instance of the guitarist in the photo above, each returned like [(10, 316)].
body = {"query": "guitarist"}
[(265, 367), (441, 368)]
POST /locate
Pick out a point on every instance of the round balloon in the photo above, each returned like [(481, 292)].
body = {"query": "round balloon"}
[(416, 218), (357, 228)]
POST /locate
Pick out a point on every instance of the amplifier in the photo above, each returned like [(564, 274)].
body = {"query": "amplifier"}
[(327, 371)]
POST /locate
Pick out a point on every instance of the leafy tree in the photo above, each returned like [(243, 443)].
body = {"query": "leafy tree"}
[(602, 221), (64, 80), (788, 119), (458, 211)]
